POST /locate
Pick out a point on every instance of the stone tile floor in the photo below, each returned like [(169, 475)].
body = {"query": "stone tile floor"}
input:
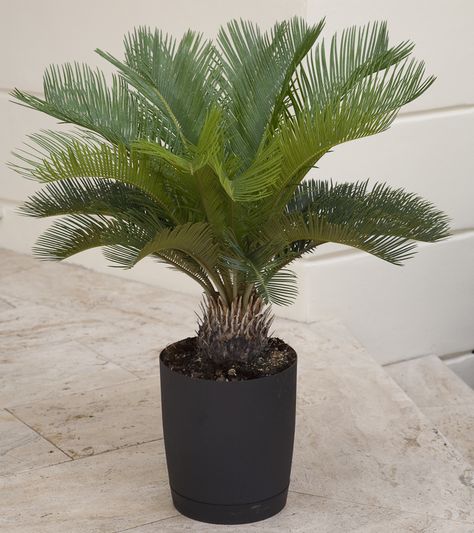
[(80, 433), (442, 396)]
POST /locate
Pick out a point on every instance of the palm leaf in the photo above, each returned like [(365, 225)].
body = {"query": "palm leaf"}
[(263, 268), (95, 197), (183, 263), (195, 154), (198, 170), (77, 94), (76, 233), (259, 180), (317, 230), (56, 156), (382, 221), (196, 240), (389, 211), (257, 68), (328, 75), (367, 109), (163, 71)]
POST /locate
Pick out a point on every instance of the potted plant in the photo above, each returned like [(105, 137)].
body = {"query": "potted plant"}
[(195, 155)]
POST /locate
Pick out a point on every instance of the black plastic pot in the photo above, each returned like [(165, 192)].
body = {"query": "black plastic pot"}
[(228, 446)]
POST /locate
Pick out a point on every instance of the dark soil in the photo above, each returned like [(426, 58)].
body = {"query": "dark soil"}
[(182, 357)]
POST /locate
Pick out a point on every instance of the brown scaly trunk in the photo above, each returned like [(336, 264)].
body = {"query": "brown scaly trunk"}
[(233, 333)]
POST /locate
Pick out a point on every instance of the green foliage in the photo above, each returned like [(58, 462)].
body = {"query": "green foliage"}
[(195, 154)]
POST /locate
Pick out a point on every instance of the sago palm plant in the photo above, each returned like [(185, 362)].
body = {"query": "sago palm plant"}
[(195, 154)]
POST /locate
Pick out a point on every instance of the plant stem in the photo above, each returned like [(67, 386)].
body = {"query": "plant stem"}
[(247, 294)]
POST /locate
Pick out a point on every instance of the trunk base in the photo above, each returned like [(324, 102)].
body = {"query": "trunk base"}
[(229, 514)]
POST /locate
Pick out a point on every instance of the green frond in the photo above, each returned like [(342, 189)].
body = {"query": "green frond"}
[(300, 39), (195, 154), (209, 149), (216, 206), (196, 240), (183, 263), (318, 230), (263, 268), (259, 180), (178, 162), (257, 68), (123, 241), (77, 233), (164, 72), (278, 287), (328, 74), (59, 156), (95, 196), (198, 171), (382, 221), (387, 211), (210, 146), (368, 108), (274, 285), (78, 94)]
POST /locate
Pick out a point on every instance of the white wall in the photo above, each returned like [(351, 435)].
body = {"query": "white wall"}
[(424, 307), (427, 306)]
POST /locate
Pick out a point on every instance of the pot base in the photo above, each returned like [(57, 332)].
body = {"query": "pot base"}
[(229, 514)]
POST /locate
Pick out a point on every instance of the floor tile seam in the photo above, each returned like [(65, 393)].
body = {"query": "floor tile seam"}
[(43, 437), (148, 523), (136, 374), (441, 406), (78, 460), (69, 394), (118, 448), (382, 507)]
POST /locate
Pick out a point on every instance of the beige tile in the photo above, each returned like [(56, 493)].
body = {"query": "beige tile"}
[(104, 493), (429, 382), (155, 303), (96, 421), (47, 371), (166, 316), (442, 396), (359, 438), (311, 514), (5, 305), (370, 460), (23, 449), (85, 289), (13, 263), (28, 324), (322, 344), (73, 285), (456, 422), (138, 349)]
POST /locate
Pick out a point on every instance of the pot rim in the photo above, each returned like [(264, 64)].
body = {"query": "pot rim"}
[(225, 383)]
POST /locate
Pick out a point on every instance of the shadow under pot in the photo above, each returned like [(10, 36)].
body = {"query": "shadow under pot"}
[(229, 445)]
